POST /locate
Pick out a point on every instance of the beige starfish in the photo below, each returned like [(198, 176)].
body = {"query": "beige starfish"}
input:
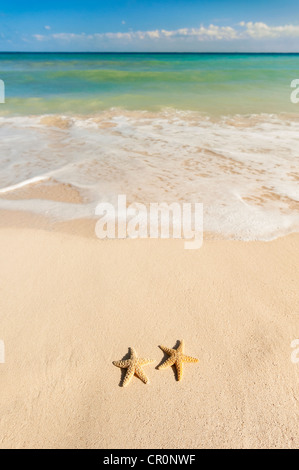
[(177, 357), (134, 366)]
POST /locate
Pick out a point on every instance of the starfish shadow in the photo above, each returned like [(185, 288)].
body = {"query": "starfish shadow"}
[(166, 356), (124, 371)]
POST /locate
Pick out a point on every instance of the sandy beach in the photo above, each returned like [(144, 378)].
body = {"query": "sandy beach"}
[(71, 304)]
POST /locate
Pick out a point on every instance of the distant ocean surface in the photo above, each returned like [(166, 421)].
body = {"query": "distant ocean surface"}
[(213, 128)]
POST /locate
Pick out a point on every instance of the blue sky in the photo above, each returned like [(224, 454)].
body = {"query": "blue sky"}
[(164, 25)]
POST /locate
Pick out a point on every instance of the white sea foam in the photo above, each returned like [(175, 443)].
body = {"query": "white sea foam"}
[(22, 184), (243, 169)]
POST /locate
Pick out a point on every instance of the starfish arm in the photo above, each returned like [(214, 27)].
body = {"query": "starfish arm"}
[(139, 372), (133, 353), (122, 364), (179, 369), (169, 362), (144, 362), (181, 346), (189, 359), (167, 350), (129, 375)]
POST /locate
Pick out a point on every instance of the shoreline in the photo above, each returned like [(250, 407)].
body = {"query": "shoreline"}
[(243, 170), (85, 227)]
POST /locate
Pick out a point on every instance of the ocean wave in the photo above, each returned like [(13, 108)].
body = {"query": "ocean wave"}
[(244, 169)]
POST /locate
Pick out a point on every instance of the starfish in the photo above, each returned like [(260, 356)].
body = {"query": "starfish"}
[(134, 366), (177, 357)]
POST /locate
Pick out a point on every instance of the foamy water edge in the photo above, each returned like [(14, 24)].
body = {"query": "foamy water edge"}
[(243, 168)]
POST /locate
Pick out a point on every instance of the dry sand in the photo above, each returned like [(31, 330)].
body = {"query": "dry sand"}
[(72, 304)]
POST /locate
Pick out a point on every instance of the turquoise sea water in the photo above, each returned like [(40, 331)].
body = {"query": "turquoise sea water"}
[(88, 83)]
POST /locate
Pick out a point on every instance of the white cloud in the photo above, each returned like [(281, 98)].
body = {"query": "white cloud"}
[(39, 37), (262, 30), (202, 33), (242, 31), (48, 27)]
